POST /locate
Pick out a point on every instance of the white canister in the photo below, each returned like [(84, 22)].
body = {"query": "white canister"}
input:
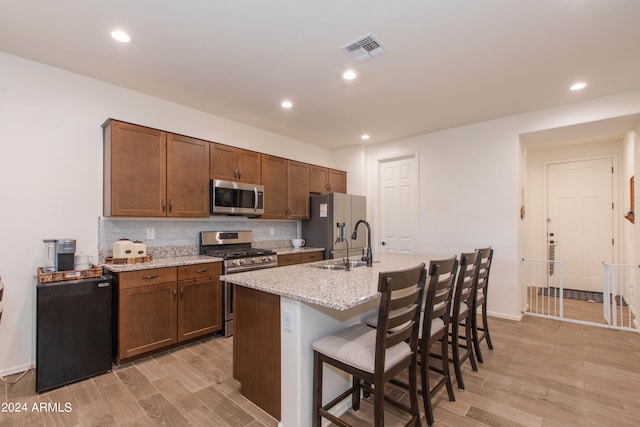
[(139, 248), (81, 261), (123, 248)]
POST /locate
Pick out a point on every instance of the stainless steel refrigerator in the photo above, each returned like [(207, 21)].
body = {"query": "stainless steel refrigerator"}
[(329, 210)]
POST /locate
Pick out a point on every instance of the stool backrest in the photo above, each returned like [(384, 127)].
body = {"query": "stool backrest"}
[(482, 281), (439, 291), (465, 283), (399, 312)]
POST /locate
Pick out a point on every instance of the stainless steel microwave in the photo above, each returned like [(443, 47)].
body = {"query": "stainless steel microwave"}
[(236, 198)]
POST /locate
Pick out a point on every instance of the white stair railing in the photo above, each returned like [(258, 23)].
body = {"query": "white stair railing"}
[(618, 295)]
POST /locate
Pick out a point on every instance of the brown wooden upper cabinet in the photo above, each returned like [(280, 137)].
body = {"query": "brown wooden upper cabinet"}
[(325, 180), (235, 164), (286, 188), (152, 173)]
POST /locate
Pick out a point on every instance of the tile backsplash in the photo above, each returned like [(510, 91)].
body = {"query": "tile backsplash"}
[(181, 236)]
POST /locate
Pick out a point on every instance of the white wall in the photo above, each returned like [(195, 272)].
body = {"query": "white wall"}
[(51, 172), (470, 184)]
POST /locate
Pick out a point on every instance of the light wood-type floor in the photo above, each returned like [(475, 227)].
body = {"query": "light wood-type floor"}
[(577, 310), (542, 373)]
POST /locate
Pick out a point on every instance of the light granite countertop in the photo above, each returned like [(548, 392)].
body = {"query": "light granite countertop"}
[(292, 250), (161, 262), (335, 289)]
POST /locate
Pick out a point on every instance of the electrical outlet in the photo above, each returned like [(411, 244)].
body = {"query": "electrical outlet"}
[(151, 233), (288, 321)]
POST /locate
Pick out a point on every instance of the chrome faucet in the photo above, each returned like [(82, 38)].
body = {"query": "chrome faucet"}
[(342, 239), (368, 258)]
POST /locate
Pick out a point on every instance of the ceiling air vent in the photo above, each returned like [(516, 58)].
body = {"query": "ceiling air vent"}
[(366, 47)]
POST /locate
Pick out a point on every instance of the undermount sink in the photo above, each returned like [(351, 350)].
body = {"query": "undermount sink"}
[(340, 265), (331, 267)]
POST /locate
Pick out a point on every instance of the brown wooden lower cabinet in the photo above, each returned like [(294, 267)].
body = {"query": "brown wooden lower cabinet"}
[(159, 307), (147, 319), (256, 347), (299, 258)]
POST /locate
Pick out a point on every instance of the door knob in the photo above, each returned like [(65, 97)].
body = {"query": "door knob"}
[(384, 243)]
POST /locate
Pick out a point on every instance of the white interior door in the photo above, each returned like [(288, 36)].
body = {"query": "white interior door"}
[(580, 220), (399, 204)]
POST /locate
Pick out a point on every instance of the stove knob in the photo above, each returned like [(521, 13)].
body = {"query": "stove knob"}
[(234, 262), (241, 261), (264, 259), (270, 258), (253, 260)]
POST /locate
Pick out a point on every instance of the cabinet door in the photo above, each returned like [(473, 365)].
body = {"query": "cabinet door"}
[(274, 179), (318, 179), (187, 176), (337, 181), (298, 190), (134, 171), (147, 319), (249, 166), (223, 162), (235, 164), (199, 307)]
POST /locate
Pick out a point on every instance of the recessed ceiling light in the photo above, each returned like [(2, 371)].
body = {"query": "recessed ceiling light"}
[(365, 137), (578, 86), (121, 36), (349, 75), (286, 104)]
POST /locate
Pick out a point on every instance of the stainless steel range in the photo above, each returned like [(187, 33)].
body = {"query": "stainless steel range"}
[(234, 247)]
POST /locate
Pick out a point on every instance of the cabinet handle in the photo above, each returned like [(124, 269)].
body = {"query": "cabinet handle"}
[(164, 206), (328, 187), (202, 271), (170, 206), (239, 174), (151, 277), (174, 294), (235, 173), (181, 292)]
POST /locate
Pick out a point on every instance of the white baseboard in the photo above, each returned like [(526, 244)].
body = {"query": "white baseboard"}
[(16, 370)]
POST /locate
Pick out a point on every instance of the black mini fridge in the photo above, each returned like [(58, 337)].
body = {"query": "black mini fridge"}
[(73, 331)]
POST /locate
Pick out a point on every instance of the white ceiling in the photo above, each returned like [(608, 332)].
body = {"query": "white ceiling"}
[(449, 62)]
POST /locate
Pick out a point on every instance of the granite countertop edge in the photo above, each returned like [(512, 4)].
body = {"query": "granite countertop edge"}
[(292, 250), (160, 263)]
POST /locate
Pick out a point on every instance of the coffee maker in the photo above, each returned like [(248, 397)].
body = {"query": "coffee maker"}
[(65, 254)]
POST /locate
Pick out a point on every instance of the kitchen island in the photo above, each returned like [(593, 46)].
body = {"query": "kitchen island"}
[(280, 312)]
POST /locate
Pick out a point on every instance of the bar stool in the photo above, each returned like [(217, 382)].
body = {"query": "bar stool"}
[(461, 315), (481, 288), (374, 356), (434, 331)]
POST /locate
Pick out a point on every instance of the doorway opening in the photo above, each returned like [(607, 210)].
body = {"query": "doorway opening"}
[(573, 265)]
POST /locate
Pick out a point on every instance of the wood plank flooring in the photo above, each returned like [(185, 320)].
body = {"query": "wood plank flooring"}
[(577, 310), (542, 373)]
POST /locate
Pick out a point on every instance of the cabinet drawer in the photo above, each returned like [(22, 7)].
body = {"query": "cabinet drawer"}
[(193, 271), (152, 276), (289, 259), (311, 256)]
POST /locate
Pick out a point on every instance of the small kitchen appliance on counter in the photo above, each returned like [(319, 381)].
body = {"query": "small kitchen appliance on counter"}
[(65, 254), (49, 263), (234, 247)]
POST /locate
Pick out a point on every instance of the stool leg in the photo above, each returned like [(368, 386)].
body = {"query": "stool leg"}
[(476, 337), (485, 326), (317, 390)]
